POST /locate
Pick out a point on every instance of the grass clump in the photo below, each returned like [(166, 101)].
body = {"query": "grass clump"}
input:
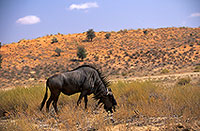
[(197, 68), (20, 99), (137, 98), (184, 81), (19, 125), (149, 99), (164, 71)]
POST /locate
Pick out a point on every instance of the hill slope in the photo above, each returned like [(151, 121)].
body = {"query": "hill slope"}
[(126, 53)]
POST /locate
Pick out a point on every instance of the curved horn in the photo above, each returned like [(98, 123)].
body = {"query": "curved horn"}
[(109, 92)]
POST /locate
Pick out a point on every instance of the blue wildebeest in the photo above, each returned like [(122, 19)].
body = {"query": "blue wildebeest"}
[(84, 79)]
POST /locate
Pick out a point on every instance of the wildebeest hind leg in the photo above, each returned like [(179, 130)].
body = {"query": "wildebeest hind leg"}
[(49, 102), (55, 100), (86, 100), (79, 99)]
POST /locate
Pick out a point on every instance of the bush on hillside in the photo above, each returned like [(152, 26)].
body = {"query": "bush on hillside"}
[(58, 51), (90, 34), (81, 52), (145, 32), (54, 40), (0, 57), (123, 31), (107, 36), (0, 60)]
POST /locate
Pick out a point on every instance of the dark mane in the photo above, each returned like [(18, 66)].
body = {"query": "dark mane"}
[(101, 75)]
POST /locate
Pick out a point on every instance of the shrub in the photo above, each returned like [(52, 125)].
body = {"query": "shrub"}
[(164, 71), (54, 40), (90, 34), (123, 31), (0, 60), (197, 68), (58, 51), (107, 35), (145, 32), (184, 81), (81, 52), (22, 40)]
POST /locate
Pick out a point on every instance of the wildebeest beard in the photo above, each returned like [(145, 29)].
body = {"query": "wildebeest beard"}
[(108, 100)]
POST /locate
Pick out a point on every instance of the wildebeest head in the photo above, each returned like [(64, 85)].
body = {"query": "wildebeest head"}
[(109, 101)]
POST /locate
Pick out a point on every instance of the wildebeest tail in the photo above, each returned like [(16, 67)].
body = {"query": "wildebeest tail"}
[(45, 96)]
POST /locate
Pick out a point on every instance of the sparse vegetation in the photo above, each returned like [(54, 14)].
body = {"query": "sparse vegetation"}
[(197, 68), (161, 48), (184, 81), (107, 36), (58, 51), (81, 52), (0, 60), (22, 40), (123, 31), (0, 57), (164, 71), (145, 32), (54, 40), (90, 34)]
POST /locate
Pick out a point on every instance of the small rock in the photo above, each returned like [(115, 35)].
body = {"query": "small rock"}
[(31, 79), (32, 72)]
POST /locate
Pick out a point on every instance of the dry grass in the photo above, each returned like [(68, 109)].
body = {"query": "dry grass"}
[(20, 107), (151, 100)]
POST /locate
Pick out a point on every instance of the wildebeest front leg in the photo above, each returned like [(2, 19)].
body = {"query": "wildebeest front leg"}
[(80, 97)]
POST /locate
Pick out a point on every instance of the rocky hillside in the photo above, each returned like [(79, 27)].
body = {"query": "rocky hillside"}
[(127, 53)]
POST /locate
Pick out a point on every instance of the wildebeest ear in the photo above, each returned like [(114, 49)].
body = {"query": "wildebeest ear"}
[(109, 89)]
